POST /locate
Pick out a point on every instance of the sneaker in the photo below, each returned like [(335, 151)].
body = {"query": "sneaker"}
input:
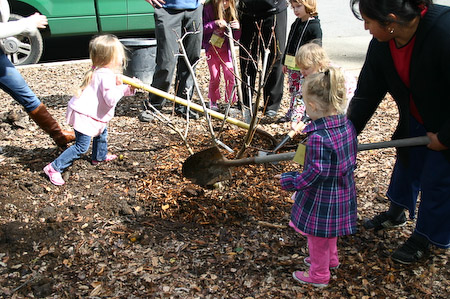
[(181, 111), (213, 106), (303, 277), (413, 250), (108, 158), (54, 176), (271, 113), (146, 116), (384, 220), (307, 262), (283, 119)]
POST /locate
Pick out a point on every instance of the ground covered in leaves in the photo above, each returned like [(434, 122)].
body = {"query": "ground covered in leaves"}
[(136, 228)]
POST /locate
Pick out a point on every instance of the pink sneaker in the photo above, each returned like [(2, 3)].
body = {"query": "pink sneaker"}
[(108, 158), (303, 277), (307, 262), (54, 176)]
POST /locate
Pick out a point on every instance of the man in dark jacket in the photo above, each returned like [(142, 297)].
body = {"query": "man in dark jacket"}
[(266, 19)]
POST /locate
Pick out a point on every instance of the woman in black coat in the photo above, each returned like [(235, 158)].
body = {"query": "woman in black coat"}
[(409, 58)]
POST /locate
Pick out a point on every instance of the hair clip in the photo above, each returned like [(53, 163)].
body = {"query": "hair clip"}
[(327, 72)]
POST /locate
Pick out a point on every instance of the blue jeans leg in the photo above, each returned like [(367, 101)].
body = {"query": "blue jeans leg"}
[(73, 153), (12, 82), (100, 146)]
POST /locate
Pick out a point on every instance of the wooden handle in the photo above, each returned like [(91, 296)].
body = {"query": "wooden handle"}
[(178, 100)]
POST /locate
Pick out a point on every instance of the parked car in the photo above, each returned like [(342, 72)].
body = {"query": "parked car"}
[(71, 18)]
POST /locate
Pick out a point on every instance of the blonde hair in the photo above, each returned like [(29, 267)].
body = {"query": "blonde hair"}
[(221, 14), (310, 6), (103, 49), (312, 55), (327, 89)]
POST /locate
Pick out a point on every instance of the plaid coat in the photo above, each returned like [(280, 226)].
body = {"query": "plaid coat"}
[(325, 201)]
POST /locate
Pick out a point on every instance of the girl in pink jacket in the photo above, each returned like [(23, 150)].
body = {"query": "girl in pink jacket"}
[(217, 14), (90, 110)]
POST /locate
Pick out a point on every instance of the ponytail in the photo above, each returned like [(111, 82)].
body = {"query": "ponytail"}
[(328, 89), (86, 80)]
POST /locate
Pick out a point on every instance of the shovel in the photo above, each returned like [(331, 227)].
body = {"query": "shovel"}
[(210, 166)]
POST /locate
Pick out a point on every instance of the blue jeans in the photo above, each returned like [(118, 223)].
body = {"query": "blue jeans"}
[(12, 82), (81, 146)]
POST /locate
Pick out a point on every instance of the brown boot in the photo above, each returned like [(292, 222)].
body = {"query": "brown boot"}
[(46, 122)]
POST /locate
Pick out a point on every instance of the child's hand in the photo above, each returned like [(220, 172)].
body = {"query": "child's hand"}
[(235, 25), (298, 127), (221, 24), (119, 80), (285, 69), (277, 176), (138, 82)]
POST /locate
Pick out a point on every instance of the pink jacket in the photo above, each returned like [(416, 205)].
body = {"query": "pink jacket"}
[(90, 112), (100, 97)]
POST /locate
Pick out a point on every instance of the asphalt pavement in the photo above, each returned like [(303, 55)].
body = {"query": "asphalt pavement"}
[(344, 37)]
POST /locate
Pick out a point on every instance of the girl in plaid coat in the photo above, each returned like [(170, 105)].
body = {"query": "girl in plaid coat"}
[(325, 197)]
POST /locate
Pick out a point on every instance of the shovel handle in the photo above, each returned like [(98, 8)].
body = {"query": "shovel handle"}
[(405, 142), (178, 100), (413, 141)]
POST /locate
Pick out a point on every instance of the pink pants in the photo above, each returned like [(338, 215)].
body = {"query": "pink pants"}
[(322, 253), (218, 60)]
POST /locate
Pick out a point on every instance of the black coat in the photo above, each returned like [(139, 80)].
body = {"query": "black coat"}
[(261, 8), (429, 80), (313, 32)]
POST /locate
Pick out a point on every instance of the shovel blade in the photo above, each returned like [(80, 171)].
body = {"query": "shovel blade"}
[(204, 168)]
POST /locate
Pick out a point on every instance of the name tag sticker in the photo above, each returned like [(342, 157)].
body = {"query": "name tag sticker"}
[(216, 41), (300, 154), (289, 61)]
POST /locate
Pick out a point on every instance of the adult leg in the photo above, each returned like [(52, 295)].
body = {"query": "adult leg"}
[(248, 54), (432, 218), (273, 90), (13, 83), (184, 81), (167, 29)]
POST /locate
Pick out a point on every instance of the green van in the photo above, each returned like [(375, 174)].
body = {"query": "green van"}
[(76, 17)]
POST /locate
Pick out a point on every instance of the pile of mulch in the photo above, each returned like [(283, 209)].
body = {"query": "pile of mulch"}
[(136, 228)]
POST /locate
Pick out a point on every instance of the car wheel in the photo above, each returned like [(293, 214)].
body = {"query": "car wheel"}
[(23, 48)]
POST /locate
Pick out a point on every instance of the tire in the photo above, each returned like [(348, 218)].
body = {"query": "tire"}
[(24, 48)]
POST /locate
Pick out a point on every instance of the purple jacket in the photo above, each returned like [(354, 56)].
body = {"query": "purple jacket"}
[(325, 201), (209, 27)]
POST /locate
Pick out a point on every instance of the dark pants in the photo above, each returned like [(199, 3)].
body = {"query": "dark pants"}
[(273, 90), (427, 174), (171, 25)]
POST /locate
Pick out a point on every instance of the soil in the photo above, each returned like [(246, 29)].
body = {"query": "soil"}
[(136, 228)]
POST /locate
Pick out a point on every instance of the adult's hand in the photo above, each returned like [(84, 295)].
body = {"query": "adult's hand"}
[(156, 3), (435, 144), (39, 20)]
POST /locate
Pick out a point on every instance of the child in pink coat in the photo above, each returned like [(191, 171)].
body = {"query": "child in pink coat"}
[(93, 107), (216, 16)]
